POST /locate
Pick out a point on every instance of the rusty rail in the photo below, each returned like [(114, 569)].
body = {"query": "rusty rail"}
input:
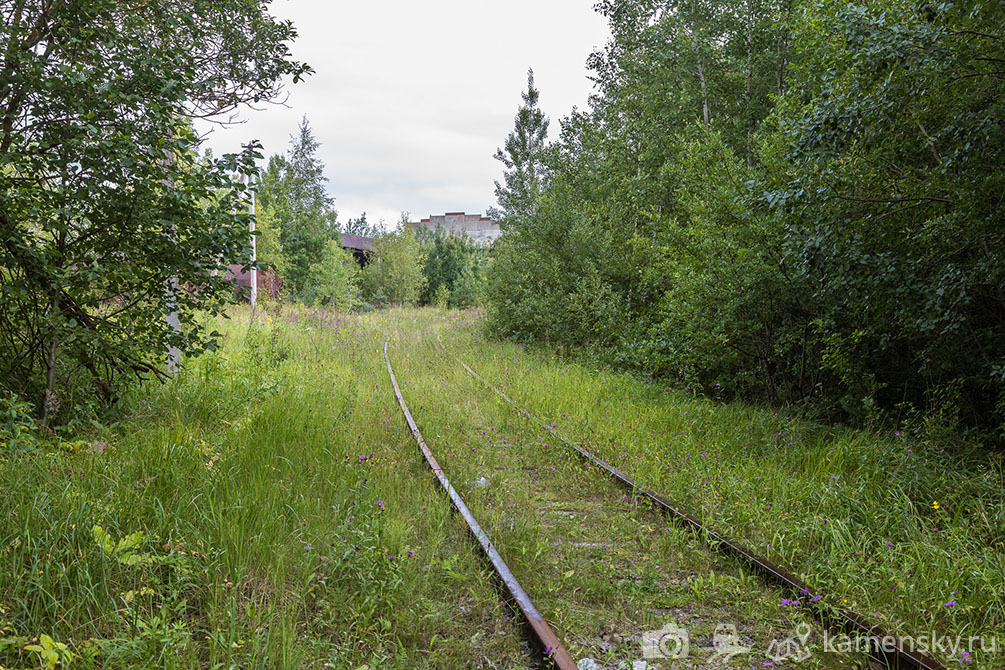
[(550, 644), (838, 618)]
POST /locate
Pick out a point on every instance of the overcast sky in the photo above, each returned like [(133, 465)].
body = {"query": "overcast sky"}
[(411, 99)]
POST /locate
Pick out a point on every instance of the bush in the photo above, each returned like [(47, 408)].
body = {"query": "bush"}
[(394, 273), (17, 425), (333, 280)]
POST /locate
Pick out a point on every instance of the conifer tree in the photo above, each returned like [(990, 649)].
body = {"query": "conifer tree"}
[(522, 156)]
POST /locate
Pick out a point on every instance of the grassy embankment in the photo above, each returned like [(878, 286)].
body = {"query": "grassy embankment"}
[(906, 529)]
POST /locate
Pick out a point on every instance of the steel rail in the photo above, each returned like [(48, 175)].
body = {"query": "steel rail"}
[(549, 641), (846, 621)]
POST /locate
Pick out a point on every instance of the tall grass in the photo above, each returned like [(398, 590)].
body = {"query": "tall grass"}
[(905, 527), (267, 508), (264, 509)]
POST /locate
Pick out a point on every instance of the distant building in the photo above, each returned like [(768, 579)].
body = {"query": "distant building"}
[(359, 246), (479, 228), (268, 281)]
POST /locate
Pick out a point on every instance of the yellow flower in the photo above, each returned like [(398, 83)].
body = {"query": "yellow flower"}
[(935, 504)]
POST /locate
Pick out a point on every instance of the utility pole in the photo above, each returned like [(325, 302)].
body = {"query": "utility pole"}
[(254, 246)]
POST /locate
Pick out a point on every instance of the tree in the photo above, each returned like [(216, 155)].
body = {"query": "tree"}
[(359, 226), (104, 201), (892, 199), (294, 186), (454, 268), (521, 155), (801, 201), (469, 288), (445, 258), (333, 279), (269, 249), (394, 274)]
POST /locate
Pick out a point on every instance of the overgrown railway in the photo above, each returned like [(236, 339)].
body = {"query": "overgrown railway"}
[(547, 642), (837, 619)]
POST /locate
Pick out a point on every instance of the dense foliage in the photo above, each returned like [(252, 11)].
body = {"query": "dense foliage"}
[(109, 219), (799, 202), (394, 274), (454, 268), (293, 194)]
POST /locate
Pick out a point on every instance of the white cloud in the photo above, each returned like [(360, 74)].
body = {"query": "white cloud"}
[(410, 100)]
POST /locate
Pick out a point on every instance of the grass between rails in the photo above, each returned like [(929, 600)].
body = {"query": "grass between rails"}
[(265, 509), (908, 530), (246, 515), (602, 568)]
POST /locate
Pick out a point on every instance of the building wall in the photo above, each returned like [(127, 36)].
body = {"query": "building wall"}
[(479, 228)]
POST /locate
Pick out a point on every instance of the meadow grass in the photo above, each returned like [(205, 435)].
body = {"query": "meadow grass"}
[(267, 508), (264, 509), (603, 567), (907, 529)]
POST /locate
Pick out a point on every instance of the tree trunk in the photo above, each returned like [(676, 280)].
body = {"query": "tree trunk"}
[(49, 403), (701, 64)]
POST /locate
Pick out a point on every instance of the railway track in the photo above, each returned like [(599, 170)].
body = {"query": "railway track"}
[(837, 619), (547, 641)]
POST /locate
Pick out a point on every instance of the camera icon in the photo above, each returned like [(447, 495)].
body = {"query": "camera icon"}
[(671, 641)]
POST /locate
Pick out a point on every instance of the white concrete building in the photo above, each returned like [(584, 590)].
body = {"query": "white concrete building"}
[(479, 228)]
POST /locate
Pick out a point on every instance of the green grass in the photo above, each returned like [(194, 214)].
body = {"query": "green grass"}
[(602, 567), (853, 512), (263, 543), (246, 514)]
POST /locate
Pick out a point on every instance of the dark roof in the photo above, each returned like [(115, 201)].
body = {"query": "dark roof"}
[(357, 242)]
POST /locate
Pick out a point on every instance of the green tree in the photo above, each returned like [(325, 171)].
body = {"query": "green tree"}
[(887, 170), (674, 76), (333, 279), (269, 249), (360, 226), (295, 187), (522, 156), (104, 200), (394, 274), (446, 257), (798, 200), (469, 287)]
